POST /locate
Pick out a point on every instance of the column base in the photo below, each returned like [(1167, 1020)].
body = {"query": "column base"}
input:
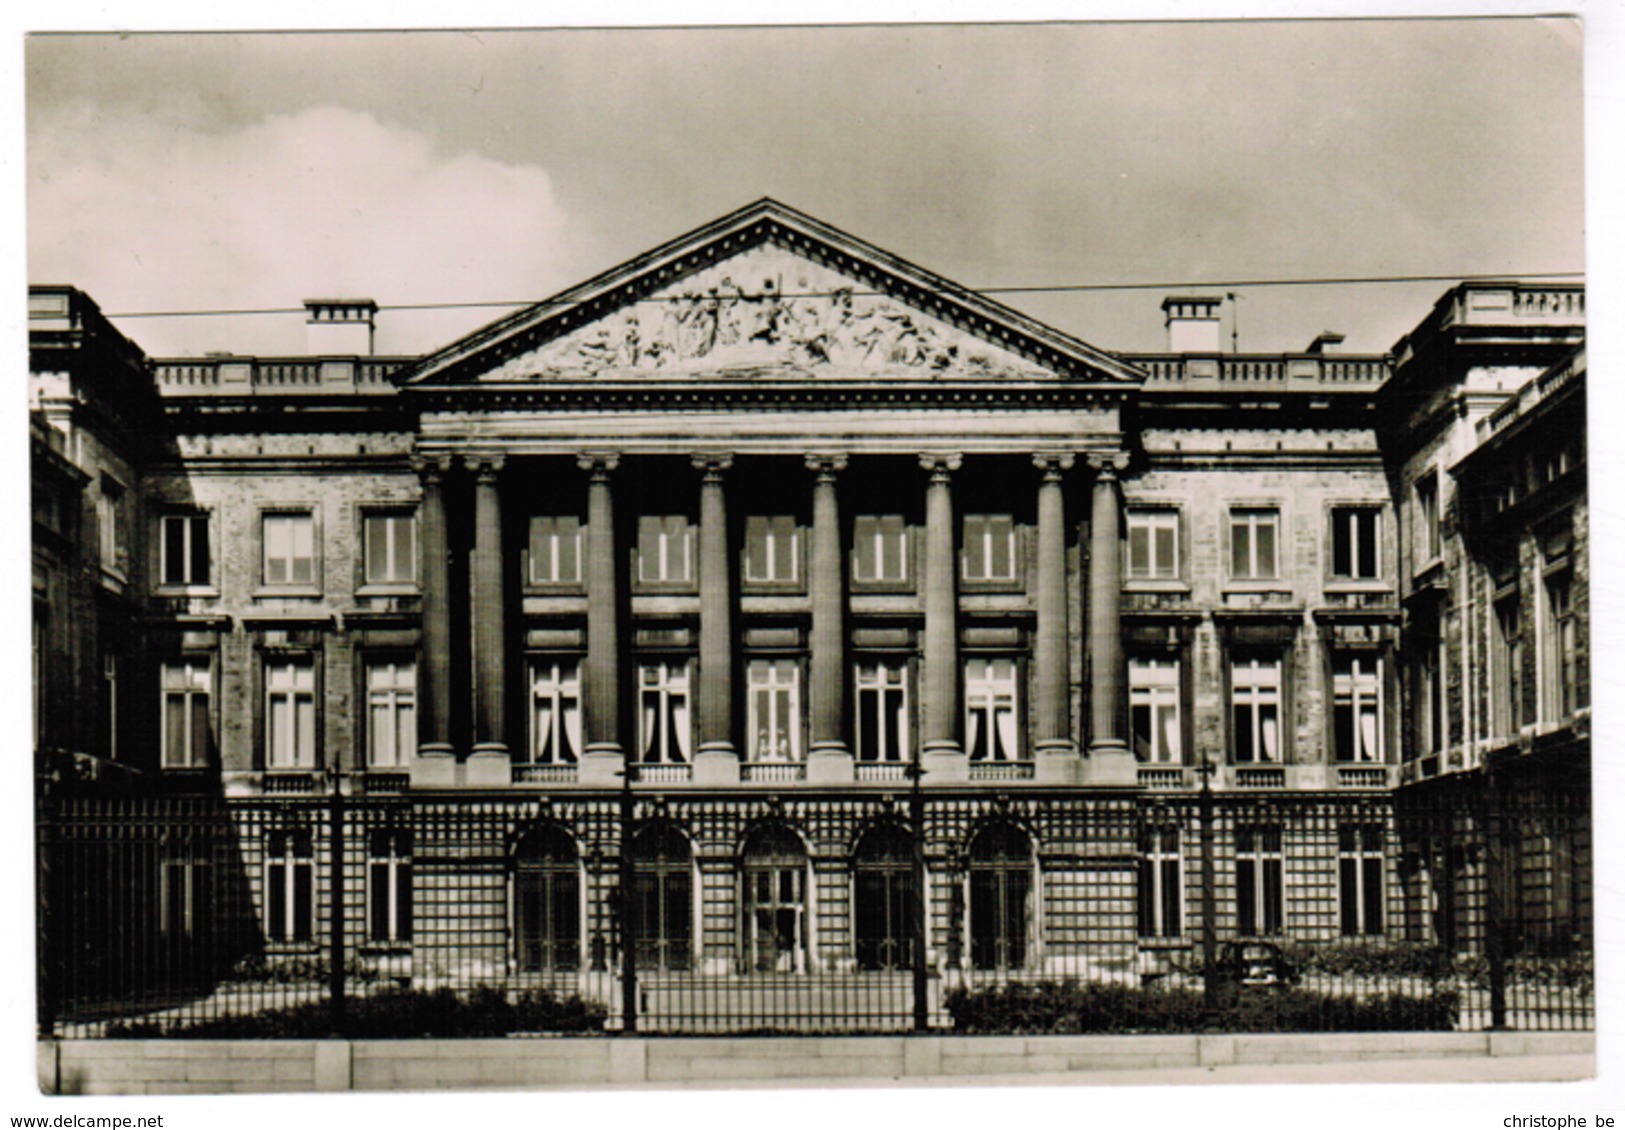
[(435, 766), (830, 763), (602, 763), (1111, 763), (716, 764), (1057, 763), (489, 766), (944, 763)]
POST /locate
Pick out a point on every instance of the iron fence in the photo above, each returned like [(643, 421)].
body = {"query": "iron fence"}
[(663, 913)]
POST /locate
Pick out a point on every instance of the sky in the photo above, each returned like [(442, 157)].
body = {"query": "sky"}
[(232, 171)]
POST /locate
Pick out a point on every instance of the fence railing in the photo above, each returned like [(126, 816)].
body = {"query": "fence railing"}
[(372, 914)]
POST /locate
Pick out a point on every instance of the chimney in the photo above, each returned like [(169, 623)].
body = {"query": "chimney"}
[(340, 327), (1325, 342), (1193, 324)]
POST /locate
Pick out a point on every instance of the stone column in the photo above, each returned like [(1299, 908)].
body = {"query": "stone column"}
[(830, 759), (602, 760), (489, 763), (717, 760), (435, 760), (1057, 752), (1109, 757), (941, 755)]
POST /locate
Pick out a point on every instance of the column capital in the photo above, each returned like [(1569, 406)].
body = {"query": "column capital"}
[(712, 464), (826, 466), (598, 463), (1107, 464), (432, 468), (485, 466), (940, 464), (1054, 463)]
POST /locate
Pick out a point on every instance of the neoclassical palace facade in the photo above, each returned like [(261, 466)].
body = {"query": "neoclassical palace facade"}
[(722, 578)]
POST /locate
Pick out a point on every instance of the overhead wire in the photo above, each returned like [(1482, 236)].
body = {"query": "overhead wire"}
[(1049, 288)]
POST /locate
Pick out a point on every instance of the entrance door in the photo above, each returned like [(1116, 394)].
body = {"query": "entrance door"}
[(774, 925), (777, 907)]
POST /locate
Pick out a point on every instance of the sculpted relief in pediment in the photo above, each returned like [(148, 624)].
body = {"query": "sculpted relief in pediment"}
[(766, 313)]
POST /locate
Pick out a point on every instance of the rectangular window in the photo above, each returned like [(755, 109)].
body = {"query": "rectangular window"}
[(389, 886), (185, 730), (1428, 539), (392, 728), (184, 897), (1153, 545), (1260, 871), (1253, 537), (663, 714), (183, 545), (772, 550), (391, 547), (555, 550), (1255, 702), (289, 886), (555, 712), (112, 523), (665, 550), (1357, 718), (774, 709), (989, 549), (290, 549), (1562, 671), (1154, 709), (1430, 695), (882, 730), (1354, 543), (879, 548), (290, 714), (1162, 897), (1506, 667), (991, 728), (1359, 875)]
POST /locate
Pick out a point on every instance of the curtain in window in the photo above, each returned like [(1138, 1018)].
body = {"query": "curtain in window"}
[(1268, 725), (1005, 720)]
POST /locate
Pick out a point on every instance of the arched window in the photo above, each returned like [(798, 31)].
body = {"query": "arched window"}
[(662, 898), (775, 901), (883, 907), (1001, 893), (547, 901)]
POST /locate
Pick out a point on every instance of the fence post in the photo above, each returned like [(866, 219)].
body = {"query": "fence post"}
[(917, 906), (335, 899), (1210, 941), (46, 955), (1495, 909), (628, 925)]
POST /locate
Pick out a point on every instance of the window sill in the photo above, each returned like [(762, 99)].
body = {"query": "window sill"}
[(1344, 584), (882, 588), (288, 592), (391, 588), (187, 592), (1272, 584), (1150, 585), (773, 588), (555, 588)]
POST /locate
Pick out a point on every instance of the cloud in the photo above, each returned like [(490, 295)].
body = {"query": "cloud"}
[(145, 214)]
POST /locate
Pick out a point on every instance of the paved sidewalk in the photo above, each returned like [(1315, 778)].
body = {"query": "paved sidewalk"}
[(1443, 1069)]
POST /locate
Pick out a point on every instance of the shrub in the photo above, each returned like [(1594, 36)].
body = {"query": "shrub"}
[(1370, 959), (1069, 1007), (395, 1014)]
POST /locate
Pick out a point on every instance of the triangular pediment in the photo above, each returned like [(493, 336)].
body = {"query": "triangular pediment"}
[(766, 293)]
